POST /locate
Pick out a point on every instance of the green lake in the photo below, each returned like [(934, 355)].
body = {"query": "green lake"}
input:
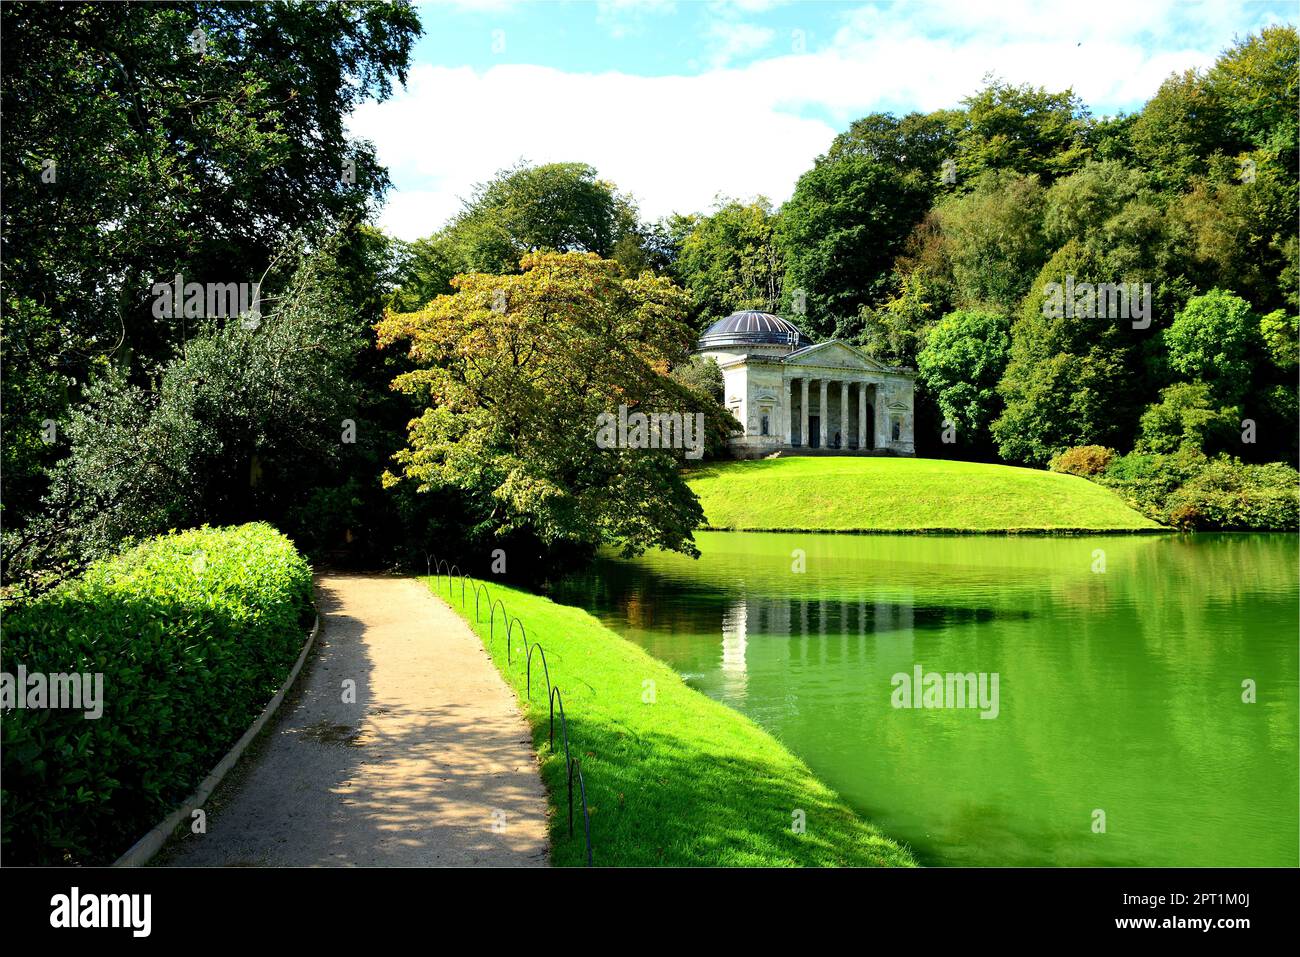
[(1119, 737)]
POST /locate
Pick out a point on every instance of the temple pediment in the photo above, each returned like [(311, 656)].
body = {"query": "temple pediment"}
[(835, 353)]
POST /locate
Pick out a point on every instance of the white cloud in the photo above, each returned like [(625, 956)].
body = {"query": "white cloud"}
[(674, 142), (625, 18), (677, 141), (737, 40)]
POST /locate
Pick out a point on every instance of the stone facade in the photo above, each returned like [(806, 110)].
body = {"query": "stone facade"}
[(824, 396)]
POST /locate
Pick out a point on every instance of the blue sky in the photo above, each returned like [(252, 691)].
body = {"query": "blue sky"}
[(679, 102)]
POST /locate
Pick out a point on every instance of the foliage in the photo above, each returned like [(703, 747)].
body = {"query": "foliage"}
[(840, 232), (169, 157), (1082, 460), (1188, 415), (1070, 379), (701, 374), (193, 634), (729, 261), (1215, 338), (994, 240), (961, 364), (517, 370), (1281, 334), (1229, 495), (236, 421), (554, 207), (1021, 128), (1190, 490)]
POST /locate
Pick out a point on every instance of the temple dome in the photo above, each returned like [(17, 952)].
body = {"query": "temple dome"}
[(752, 328)]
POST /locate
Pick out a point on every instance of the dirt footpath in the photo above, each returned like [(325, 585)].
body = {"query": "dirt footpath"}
[(405, 747)]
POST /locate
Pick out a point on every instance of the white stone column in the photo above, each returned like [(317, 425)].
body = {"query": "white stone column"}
[(789, 411), (862, 415), (882, 417), (821, 413), (803, 414), (844, 413)]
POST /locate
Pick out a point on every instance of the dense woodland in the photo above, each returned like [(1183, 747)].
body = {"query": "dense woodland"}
[(387, 395)]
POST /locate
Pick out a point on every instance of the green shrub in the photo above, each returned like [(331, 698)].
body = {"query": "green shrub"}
[(1085, 460), (1229, 495), (194, 633), (1189, 490)]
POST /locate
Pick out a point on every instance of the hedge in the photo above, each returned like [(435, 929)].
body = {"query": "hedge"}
[(1189, 490), (194, 632)]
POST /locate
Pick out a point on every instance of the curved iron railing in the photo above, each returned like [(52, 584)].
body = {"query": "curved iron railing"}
[(510, 631), (477, 594), (572, 765)]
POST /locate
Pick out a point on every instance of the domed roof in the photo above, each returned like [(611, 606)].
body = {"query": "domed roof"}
[(752, 328)]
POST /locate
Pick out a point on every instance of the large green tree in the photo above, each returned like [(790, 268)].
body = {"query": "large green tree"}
[(146, 140), (515, 372), (840, 232), (961, 365), (729, 261)]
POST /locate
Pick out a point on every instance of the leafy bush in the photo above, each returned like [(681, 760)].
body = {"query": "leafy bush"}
[(1189, 490), (1229, 495), (1085, 460), (193, 632)]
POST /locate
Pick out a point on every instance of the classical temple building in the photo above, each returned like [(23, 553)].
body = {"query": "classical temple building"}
[(790, 393)]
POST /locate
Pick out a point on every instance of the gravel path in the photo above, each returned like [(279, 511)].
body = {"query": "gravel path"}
[(430, 764)]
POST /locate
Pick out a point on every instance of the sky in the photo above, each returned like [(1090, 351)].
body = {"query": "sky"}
[(681, 102)]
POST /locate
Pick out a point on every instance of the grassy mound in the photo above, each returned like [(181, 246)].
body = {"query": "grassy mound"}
[(193, 634), (901, 494), (672, 777)]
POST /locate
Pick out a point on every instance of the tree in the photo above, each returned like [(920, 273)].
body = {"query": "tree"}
[(1187, 415), (555, 207), (994, 240), (1257, 81), (238, 418), (916, 144), (159, 139), (1072, 379), (1079, 205), (1280, 331), (1180, 129), (517, 371), (729, 261), (839, 233), (1021, 128), (1216, 339), (961, 364)]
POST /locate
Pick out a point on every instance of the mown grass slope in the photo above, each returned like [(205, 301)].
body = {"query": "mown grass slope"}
[(903, 494), (672, 777)]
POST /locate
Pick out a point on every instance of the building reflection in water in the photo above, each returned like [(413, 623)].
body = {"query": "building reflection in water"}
[(845, 630)]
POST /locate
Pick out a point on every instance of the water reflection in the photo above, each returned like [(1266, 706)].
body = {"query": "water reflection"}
[(1119, 691)]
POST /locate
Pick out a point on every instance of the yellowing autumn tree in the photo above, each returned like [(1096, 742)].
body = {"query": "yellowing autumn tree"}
[(516, 372)]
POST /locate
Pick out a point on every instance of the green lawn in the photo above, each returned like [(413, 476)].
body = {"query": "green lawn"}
[(903, 494), (681, 780)]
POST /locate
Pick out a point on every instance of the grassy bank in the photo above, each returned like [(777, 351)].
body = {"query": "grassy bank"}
[(676, 780), (900, 494)]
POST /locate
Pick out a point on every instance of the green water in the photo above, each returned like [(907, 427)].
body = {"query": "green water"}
[(1119, 690)]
